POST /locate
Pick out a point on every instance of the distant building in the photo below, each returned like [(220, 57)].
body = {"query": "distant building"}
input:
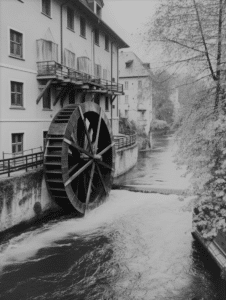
[(136, 103), (174, 97), (53, 52)]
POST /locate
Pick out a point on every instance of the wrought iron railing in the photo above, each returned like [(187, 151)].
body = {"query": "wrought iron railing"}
[(23, 162), (54, 69), (125, 141)]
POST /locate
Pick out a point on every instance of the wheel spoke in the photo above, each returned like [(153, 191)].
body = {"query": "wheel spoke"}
[(87, 133), (90, 184), (78, 172), (101, 179), (105, 165), (78, 147), (98, 132), (106, 149), (73, 168)]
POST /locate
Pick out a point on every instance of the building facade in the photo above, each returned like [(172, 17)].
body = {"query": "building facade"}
[(53, 53), (136, 103)]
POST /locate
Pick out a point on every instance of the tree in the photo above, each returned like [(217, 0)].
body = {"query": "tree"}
[(193, 35), (162, 105)]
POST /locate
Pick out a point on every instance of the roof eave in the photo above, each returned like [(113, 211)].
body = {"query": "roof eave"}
[(120, 42)]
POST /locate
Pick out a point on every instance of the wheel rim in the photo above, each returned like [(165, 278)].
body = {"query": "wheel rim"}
[(87, 156)]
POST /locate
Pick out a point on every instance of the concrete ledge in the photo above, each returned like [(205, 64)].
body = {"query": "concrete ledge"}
[(215, 252), (126, 158), (150, 189), (23, 198)]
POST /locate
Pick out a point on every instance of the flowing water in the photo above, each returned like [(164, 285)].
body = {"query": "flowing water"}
[(134, 246)]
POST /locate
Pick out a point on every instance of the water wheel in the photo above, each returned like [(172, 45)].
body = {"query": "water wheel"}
[(79, 157)]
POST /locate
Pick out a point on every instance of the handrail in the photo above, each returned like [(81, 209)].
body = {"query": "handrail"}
[(22, 152), (23, 162), (53, 68), (125, 141)]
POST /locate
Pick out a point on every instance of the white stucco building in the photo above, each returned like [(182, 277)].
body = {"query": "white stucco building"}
[(136, 76), (42, 44)]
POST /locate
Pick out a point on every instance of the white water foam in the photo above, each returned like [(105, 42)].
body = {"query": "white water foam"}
[(120, 203)]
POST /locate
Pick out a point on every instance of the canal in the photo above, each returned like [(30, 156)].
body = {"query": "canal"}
[(134, 246)]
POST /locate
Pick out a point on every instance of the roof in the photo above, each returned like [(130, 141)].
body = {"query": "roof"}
[(84, 6), (136, 68)]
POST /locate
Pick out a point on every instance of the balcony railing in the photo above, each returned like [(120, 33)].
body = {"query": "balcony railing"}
[(53, 69)]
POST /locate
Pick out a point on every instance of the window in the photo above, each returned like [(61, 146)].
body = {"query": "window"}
[(44, 139), (16, 44), (47, 99), (16, 93), (126, 85), (139, 84), (96, 36), (98, 10), (70, 19), (126, 113), (105, 72), (97, 71), (46, 7), (46, 50), (106, 42), (69, 59), (106, 104), (126, 99), (17, 143), (82, 27)]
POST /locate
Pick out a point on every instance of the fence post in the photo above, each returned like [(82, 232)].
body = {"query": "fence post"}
[(8, 168), (32, 158), (3, 156), (26, 163)]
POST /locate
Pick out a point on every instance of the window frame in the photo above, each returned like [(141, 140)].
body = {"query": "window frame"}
[(70, 13), (107, 42), (11, 54), (16, 92), (82, 27), (126, 85), (50, 9), (17, 143), (97, 37), (126, 99), (98, 10)]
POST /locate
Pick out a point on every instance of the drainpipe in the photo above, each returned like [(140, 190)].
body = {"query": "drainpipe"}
[(93, 46), (61, 32), (111, 83)]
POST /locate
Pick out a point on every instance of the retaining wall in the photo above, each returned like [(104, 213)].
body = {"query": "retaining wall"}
[(24, 197)]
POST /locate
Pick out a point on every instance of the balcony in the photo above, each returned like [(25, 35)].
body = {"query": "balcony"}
[(54, 70)]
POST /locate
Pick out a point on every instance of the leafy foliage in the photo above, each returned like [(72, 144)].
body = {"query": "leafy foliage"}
[(192, 33)]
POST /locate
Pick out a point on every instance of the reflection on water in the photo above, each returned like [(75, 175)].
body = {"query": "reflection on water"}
[(156, 168), (134, 246)]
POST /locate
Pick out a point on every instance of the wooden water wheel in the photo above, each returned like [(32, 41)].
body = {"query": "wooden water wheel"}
[(79, 157)]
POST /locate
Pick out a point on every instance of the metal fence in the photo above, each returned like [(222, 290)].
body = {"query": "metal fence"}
[(23, 162), (24, 152), (52, 68), (125, 141)]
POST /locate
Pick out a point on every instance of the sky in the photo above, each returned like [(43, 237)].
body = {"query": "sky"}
[(127, 19)]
